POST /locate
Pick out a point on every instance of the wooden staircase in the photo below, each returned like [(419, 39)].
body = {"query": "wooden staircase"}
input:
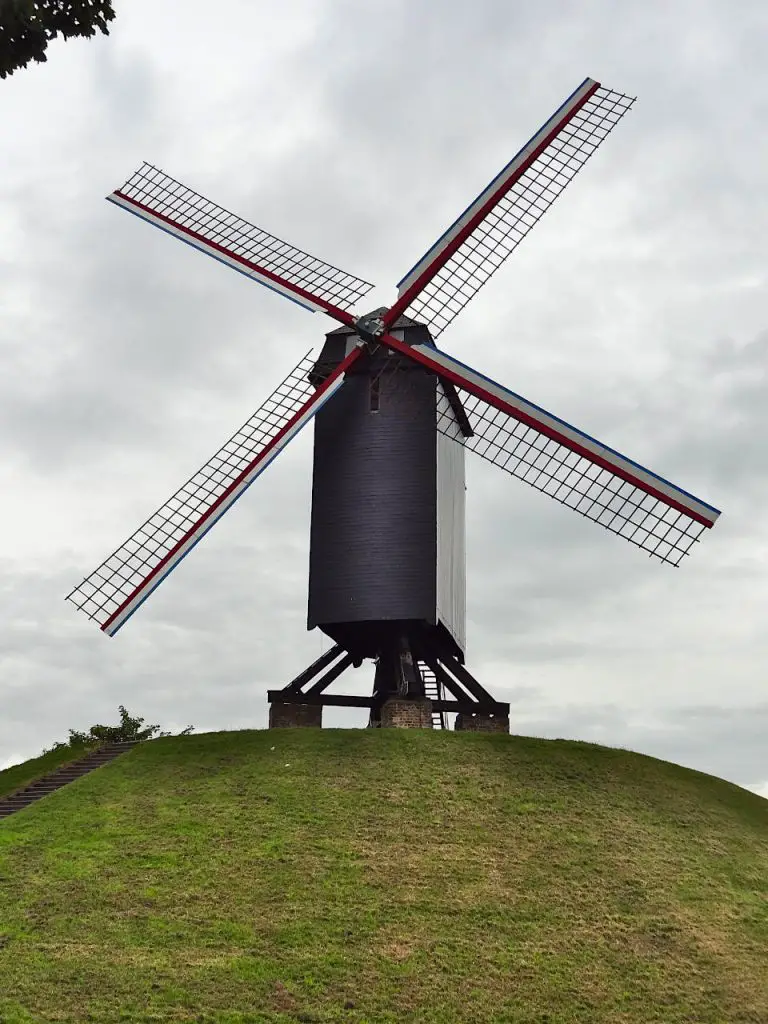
[(433, 691), (61, 777)]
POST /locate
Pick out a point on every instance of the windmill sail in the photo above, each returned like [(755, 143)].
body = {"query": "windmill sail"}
[(473, 248), (481, 415), (113, 591), (161, 200), (570, 466)]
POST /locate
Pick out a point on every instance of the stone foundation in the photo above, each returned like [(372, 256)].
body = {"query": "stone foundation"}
[(291, 716), (399, 713), (482, 723)]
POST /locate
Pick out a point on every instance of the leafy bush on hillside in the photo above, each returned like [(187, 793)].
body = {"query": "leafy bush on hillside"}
[(129, 729)]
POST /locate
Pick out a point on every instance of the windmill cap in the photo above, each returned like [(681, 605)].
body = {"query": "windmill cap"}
[(401, 322)]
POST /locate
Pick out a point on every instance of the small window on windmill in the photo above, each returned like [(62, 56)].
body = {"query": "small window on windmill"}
[(374, 396)]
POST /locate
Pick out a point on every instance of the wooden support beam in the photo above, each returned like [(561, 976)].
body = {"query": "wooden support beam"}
[(466, 707), (317, 666), (330, 675), (467, 680), (326, 699), (471, 707), (442, 676), (457, 406)]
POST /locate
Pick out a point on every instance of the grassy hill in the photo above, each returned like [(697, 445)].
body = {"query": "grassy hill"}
[(386, 876)]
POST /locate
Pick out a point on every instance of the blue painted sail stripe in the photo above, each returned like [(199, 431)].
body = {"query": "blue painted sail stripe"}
[(201, 248), (493, 181), (576, 430)]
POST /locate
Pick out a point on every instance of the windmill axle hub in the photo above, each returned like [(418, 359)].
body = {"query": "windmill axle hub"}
[(371, 326)]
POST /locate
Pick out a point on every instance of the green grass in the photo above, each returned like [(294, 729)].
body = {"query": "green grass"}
[(20, 775), (386, 876)]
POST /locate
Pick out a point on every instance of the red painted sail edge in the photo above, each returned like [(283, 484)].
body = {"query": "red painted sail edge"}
[(327, 383), (338, 314), (518, 414), (429, 272)]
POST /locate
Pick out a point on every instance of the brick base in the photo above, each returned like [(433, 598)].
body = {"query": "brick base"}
[(482, 723), (291, 716), (398, 713)]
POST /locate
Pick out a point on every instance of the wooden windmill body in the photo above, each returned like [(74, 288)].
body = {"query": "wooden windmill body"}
[(387, 567)]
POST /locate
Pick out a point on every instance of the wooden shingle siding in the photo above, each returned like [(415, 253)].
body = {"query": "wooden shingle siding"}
[(374, 503)]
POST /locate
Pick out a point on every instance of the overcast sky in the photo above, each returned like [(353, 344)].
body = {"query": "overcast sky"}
[(636, 309)]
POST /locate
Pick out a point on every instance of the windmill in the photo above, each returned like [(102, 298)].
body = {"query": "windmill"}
[(394, 416)]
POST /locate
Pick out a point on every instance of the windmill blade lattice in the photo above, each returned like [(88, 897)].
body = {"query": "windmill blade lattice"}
[(156, 197), (562, 461), (593, 491), (479, 241), (113, 591)]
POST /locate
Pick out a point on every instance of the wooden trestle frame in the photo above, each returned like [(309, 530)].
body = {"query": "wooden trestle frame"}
[(398, 674)]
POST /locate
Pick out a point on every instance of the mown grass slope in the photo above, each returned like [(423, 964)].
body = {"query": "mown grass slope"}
[(386, 876)]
